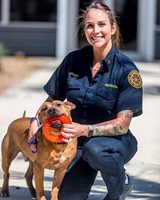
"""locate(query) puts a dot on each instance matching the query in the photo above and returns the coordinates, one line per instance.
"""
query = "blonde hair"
(116, 38)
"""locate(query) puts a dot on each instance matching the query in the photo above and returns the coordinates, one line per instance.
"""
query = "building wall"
(29, 26)
(157, 32)
(31, 40)
(157, 45)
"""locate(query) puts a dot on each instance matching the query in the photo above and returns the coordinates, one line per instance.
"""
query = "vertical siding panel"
(33, 41)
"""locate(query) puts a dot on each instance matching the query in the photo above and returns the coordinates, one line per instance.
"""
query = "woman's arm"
(114, 127)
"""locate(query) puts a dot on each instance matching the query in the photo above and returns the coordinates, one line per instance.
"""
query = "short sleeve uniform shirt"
(117, 86)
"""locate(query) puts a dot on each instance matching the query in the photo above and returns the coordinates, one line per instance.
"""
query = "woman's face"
(98, 29)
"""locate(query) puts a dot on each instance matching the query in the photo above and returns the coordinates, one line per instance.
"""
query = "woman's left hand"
(74, 130)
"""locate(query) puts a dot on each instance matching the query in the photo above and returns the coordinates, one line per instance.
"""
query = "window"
(33, 10)
(82, 6)
(158, 13)
(0, 9)
(127, 17)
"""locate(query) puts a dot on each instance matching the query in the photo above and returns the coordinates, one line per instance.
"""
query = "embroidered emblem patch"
(135, 79)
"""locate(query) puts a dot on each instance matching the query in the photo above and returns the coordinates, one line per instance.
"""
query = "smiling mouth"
(96, 38)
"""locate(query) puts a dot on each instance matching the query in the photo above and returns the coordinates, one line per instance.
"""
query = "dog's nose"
(52, 111)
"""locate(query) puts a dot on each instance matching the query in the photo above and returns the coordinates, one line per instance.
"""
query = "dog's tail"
(24, 114)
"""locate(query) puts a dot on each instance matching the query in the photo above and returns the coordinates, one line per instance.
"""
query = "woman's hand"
(32, 138)
(33, 129)
(74, 130)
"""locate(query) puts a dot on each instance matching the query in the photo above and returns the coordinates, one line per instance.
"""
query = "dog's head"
(55, 108)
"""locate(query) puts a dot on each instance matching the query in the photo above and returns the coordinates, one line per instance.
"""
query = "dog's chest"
(56, 161)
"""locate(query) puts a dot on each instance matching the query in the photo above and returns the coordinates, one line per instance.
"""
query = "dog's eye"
(58, 104)
(44, 108)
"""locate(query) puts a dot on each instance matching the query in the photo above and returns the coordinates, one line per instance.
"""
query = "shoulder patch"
(135, 79)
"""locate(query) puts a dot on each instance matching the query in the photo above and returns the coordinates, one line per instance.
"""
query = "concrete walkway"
(144, 167)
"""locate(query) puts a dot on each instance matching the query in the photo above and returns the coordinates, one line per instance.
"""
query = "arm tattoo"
(115, 127)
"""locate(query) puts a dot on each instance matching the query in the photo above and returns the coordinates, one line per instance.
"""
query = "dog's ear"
(69, 105)
(40, 114)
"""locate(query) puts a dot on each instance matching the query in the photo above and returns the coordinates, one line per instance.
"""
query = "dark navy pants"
(105, 154)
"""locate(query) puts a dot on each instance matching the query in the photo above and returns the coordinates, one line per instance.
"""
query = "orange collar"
(49, 134)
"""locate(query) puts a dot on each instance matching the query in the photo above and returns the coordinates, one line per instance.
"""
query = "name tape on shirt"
(135, 79)
(73, 74)
(111, 85)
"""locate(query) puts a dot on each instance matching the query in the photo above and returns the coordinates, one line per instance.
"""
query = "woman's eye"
(89, 26)
(102, 24)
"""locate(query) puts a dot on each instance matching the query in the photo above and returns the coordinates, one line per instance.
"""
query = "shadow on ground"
(146, 189)
(142, 189)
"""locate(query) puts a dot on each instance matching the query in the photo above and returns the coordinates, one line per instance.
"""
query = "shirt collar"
(110, 58)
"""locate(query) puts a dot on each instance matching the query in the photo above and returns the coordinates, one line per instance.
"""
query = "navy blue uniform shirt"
(116, 87)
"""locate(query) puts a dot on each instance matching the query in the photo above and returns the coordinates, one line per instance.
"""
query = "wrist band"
(34, 118)
(90, 131)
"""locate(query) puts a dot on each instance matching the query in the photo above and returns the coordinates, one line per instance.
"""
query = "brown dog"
(50, 155)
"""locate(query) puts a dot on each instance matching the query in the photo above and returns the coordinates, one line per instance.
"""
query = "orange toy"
(47, 126)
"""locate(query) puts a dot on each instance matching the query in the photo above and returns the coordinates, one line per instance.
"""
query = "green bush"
(3, 52)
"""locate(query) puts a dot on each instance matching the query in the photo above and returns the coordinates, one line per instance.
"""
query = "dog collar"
(49, 133)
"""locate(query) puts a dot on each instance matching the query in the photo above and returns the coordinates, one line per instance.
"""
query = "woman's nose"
(96, 29)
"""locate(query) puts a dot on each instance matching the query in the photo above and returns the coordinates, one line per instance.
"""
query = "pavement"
(144, 168)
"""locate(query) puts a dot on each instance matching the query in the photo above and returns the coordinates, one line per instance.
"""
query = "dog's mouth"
(56, 125)
(52, 127)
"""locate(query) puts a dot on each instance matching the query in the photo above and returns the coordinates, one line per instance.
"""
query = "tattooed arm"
(114, 127)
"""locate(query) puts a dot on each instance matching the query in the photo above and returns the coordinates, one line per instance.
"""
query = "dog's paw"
(4, 193)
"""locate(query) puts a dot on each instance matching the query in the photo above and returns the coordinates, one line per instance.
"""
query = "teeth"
(96, 38)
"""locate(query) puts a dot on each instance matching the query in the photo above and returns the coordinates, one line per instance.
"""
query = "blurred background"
(49, 28)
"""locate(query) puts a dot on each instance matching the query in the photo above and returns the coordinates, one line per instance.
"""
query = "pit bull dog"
(53, 156)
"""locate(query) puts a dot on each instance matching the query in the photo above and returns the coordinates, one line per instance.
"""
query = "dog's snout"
(52, 111)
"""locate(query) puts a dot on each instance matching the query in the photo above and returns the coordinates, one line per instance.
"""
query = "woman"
(106, 88)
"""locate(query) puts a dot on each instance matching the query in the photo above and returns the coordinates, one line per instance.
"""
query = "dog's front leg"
(39, 179)
(57, 180)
